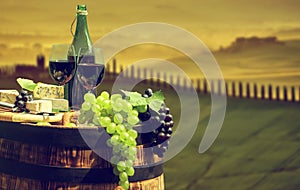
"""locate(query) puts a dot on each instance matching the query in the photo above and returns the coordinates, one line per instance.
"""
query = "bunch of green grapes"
(117, 116)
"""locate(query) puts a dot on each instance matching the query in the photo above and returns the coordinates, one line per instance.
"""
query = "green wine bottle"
(83, 46)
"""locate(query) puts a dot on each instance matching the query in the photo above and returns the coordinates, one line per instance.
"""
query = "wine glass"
(62, 63)
(90, 68)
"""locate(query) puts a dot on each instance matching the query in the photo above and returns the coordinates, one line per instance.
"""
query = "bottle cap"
(81, 9)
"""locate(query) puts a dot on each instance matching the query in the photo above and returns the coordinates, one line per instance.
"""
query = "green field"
(258, 148)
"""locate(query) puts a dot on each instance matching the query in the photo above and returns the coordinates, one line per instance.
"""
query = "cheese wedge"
(8, 96)
(38, 106)
(48, 91)
(59, 104)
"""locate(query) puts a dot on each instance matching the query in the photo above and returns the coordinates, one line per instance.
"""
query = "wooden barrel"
(54, 157)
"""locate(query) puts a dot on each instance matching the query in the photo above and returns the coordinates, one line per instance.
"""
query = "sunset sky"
(215, 22)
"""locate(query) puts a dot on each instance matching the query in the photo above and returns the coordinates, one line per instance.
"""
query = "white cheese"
(59, 104)
(8, 96)
(38, 106)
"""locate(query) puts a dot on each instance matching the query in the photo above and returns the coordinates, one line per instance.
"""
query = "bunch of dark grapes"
(21, 99)
(163, 123)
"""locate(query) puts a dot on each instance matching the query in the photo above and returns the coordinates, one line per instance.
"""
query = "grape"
(133, 133)
(124, 185)
(131, 141)
(23, 92)
(170, 131)
(124, 136)
(106, 104)
(168, 118)
(86, 106)
(96, 108)
(105, 95)
(117, 106)
(149, 92)
(121, 166)
(89, 97)
(133, 112)
(132, 150)
(123, 176)
(114, 140)
(19, 97)
(120, 128)
(128, 163)
(132, 120)
(105, 121)
(145, 96)
(96, 120)
(111, 128)
(115, 170)
(118, 118)
(115, 97)
(126, 106)
(161, 136)
(162, 116)
(99, 100)
(108, 143)
(130, 171)
(167, 110)
(169, 124)
(144, 116)
(20, 104)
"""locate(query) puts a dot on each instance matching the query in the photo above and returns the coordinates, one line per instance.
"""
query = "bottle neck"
(81, 38)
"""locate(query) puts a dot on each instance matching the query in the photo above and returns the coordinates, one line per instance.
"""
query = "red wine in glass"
(62, 71)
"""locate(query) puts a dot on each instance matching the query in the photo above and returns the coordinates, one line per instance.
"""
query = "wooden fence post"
(198, 85)
(178, 81)
(285, 94)
(114, 66)
(205, 86)
(219, 87)
(270, 91)
(144, 76)
(158, 79)
(126, 73)
(262, 92)
(293, 99)
(184, 83)
(151, 77)
(165, 79)
(255, 91)
(248, 90)
(138, 73)
(240, 89)
(299, 94)
(277, 93)
(171, 80)
(212, 87)
(226, 89)
(132, 72)
(233, 89)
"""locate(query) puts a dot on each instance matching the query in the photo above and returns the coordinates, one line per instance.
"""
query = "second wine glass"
(90, 68)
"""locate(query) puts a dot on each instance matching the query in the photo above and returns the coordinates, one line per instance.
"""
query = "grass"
(258, 148)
